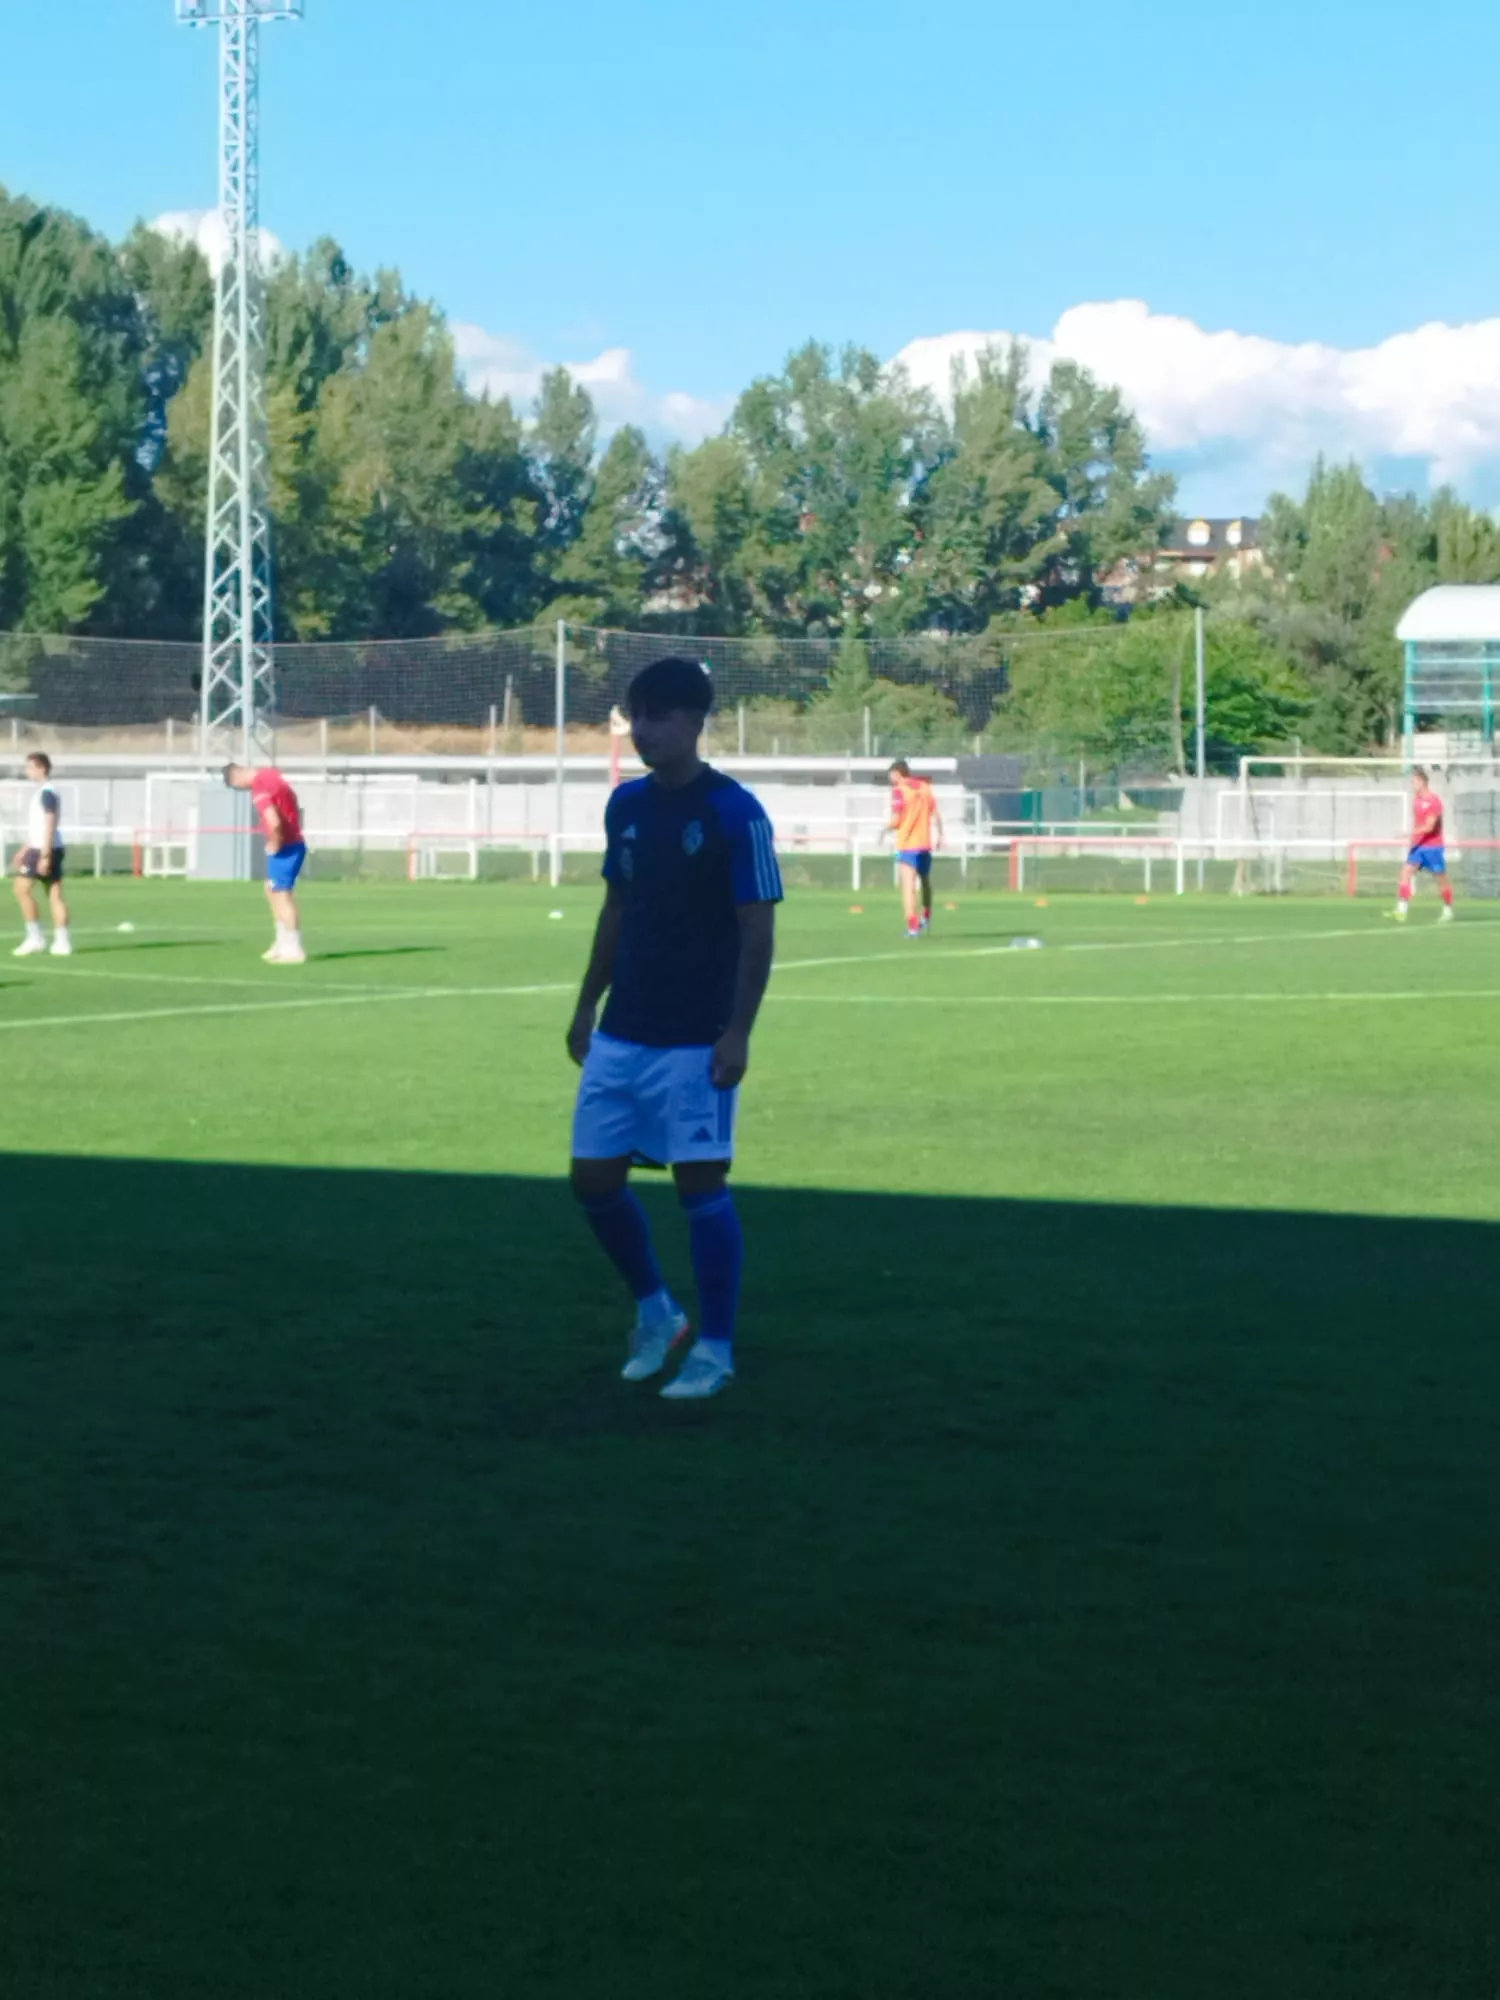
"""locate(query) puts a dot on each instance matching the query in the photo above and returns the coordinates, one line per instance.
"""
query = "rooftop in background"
(1200, 539)
(1451, 614)
(1195, 546)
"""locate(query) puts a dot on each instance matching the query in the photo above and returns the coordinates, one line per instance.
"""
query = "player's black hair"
(902, 766)
(40, 757)
(673, 682)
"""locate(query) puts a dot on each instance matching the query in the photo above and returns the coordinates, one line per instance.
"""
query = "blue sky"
(675, 195)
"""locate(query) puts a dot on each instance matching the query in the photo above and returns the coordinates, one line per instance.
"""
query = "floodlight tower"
(238, 692)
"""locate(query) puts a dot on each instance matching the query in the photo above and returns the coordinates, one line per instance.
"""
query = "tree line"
(839, 501)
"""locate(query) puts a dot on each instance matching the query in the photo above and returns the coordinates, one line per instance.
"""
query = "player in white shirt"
(41, 860)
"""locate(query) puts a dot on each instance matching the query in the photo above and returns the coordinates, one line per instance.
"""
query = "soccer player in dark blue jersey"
(683, 948)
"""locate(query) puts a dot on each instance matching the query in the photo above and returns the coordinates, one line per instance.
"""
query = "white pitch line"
(370, 999)
(1116, 999)
(942, 955)
(260, 985)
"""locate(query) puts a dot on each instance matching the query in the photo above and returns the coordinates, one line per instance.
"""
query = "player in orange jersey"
(918, 826)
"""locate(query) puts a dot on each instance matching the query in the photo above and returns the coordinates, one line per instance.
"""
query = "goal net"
(1097, 866)
(1473, 867)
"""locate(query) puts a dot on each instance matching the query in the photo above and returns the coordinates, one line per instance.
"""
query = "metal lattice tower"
(238, 677)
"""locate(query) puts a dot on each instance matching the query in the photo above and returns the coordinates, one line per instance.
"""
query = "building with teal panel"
(1452, 641)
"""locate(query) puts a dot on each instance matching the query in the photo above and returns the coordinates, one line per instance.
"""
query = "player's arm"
(49, 841)
(937, 822)
(275, 828)
(597, 977)
(731, 1056)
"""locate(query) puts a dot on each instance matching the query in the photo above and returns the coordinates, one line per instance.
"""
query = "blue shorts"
(919, 858)
(283, 867)
(1430, 859)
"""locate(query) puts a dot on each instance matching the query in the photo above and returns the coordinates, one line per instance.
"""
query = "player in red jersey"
(1426, 855)
(286, 850)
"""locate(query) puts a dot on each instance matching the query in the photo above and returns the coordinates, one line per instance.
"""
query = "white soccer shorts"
(657, 1104)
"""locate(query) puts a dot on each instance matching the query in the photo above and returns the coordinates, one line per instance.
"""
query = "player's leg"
(909, 897)
(1403, 890)
(273, 956)
(1439, 869)
(288, 946)
(701, 1147)
(925, 876)
(718, 1249)
(608, 1129)
(26, 896)
(62, 943)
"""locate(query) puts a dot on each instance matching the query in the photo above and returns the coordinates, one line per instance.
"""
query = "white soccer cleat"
(651, 1341)
(1447, 915)
(1399, 913)
(29, 947)
(273, 956)
(291, 954)
(700, 1376)
(62, 948)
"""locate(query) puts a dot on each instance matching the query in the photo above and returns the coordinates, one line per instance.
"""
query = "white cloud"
(495, 362)
(205, 227)
(1240, 414)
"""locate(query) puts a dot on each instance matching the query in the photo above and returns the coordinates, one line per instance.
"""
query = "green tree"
(563, 437)
(987, 513)
(1083, 684)
(833, 454)
(902, 717)
(1333, 604)
(709, 532)
(1110, 504)
(601, 576)
(72, 408)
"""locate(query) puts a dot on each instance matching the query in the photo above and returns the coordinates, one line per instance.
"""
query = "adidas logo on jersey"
(702, 1137)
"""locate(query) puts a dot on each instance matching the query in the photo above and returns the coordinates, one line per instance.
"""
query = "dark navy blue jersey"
(682, 863)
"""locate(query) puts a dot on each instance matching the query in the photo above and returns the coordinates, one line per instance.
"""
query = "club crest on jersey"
(692, 836)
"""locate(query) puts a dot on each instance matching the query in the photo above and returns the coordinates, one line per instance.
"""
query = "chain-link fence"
(510, 691)
(530, 691)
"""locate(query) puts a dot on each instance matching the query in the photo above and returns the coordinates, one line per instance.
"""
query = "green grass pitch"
(1087, 1592)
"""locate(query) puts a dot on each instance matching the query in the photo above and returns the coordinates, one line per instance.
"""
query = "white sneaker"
(62, 947)
(651, 1341)
(29, 947)
(699, 1376)
(1448, 914)
(273, 956)
(290, 954)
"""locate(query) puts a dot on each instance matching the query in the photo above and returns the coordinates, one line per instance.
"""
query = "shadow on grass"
(376, 951)
(133, 946)
(1066, 1601)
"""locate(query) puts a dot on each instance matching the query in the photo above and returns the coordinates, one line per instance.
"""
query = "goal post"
(1051, 861)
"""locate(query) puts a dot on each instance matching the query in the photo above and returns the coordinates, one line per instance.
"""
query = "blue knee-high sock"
(718, 1253)
(619, 1222)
